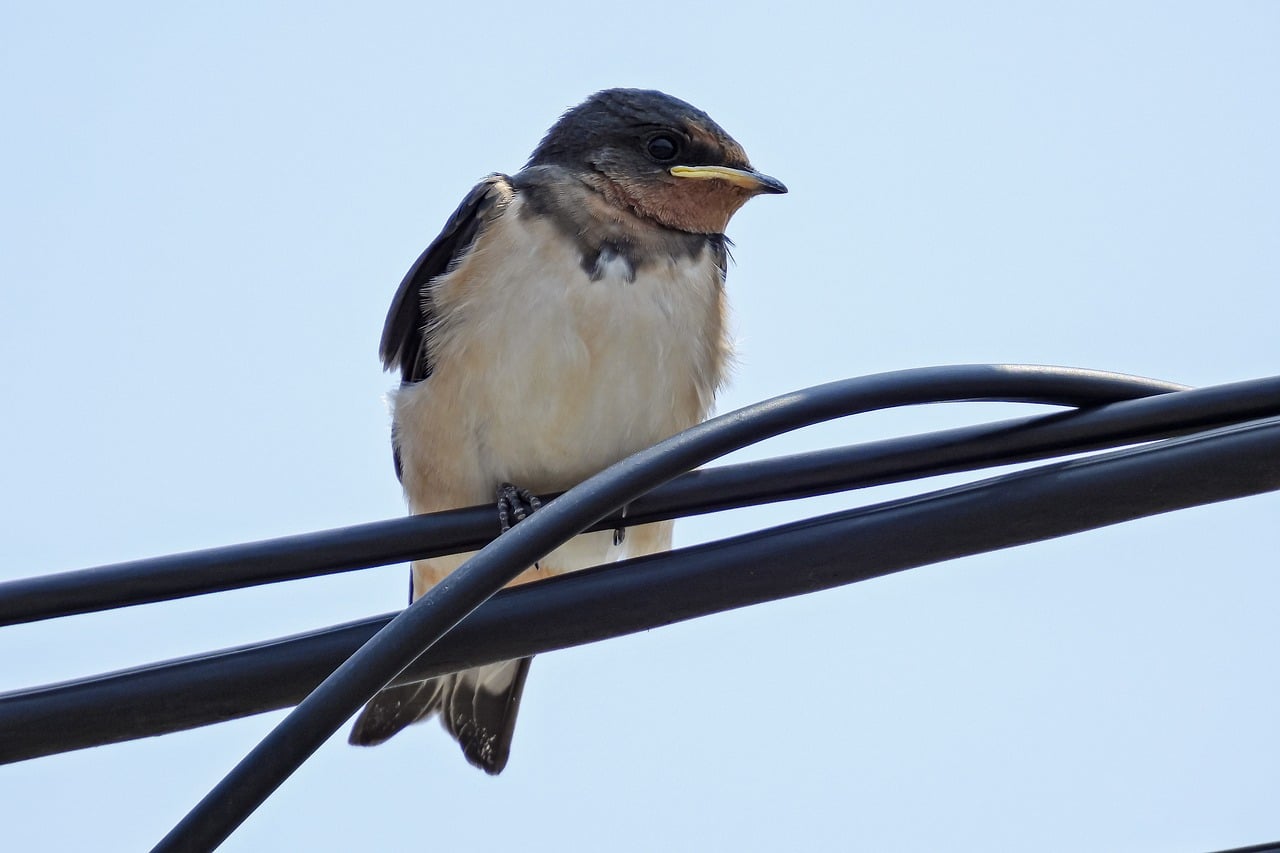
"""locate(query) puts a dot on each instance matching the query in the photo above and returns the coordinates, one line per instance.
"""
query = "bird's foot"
(516, 502)
(620, 533)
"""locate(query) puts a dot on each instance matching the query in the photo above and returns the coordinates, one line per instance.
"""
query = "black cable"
(636, 595)
(418, 627)
(1272, 847)
(725, 487)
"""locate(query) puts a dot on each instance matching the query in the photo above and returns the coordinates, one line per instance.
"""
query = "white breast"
(543, 376)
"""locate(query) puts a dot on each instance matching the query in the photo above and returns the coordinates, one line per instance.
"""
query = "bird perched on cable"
(566, 317)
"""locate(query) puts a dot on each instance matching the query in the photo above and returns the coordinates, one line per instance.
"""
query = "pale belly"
(543, 377)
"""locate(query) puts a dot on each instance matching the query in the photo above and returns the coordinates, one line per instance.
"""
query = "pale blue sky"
(206, 211)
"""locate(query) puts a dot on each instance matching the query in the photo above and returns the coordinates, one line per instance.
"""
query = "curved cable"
(420, 625)
(596, 604)
(415, 537)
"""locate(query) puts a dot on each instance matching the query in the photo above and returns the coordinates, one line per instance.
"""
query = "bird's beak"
(745, 178)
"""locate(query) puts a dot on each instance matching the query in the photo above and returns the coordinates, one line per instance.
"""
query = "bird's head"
(656, 155)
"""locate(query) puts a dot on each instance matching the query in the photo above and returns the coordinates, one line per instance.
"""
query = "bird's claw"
(620, 533)
(516, 502)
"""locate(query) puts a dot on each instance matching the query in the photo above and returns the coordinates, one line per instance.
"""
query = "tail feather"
(478, 708)
(393, 709)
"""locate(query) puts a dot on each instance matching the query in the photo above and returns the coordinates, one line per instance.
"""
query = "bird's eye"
(662, 148)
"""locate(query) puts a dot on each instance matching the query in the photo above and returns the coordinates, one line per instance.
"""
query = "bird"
(566, 316)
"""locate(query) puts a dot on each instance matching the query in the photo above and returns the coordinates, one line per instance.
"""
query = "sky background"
(207, 208)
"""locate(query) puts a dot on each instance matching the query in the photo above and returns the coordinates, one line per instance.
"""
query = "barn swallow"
(566, 317)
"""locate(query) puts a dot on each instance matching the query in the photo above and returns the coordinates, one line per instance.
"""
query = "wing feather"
(405, 335)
